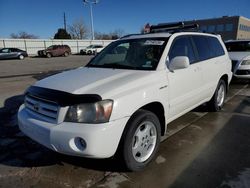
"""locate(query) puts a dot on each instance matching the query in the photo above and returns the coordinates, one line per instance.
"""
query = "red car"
(55, 50)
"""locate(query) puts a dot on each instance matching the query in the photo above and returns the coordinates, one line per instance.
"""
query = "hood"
(238, 56)
(101, 81)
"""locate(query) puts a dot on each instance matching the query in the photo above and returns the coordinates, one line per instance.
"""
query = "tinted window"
(14, 50)
(220, 28)
(240, 46)
(202, 47)
(211, 28)
(182, 47)
(215, 46)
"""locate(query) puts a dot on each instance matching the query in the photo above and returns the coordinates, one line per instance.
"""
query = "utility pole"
(91, 2)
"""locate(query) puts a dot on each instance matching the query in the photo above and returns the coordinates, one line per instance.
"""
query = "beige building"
(229, 27)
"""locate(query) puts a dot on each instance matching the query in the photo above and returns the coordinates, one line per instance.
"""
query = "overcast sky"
(43, 18)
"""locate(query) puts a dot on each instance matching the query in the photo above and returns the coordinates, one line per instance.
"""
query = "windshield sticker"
(154, 42)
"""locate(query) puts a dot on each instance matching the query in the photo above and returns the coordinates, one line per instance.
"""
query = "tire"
(218, 99)
(21, 57)
(140, 140)
(89, 52)
(48, 55)
(66, 54)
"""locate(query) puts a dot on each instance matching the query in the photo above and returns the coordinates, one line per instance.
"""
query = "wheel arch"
(225, 79)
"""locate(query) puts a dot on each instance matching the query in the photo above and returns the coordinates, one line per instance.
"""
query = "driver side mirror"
(179, 62)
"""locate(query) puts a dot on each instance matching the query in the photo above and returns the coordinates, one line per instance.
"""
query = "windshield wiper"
(118, 66)
(113, 65)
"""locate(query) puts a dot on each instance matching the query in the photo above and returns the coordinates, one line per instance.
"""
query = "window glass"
(138, 54)
(240, 46)
(13, 50)
(229, 27)
(211, 28)
(201, 44)
(182, 47)
(215, 46)
(203, 28)
(5, 50)
(220, 28)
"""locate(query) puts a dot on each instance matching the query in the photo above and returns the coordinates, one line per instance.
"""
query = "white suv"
(122, 101)
(91, 50)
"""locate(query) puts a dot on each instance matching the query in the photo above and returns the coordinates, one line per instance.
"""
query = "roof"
(150, 35)
(164, 35)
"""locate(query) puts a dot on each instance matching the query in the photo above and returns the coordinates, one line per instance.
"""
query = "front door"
(184, 84)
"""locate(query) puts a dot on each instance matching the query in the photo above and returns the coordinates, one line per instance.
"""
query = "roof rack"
(173, 27)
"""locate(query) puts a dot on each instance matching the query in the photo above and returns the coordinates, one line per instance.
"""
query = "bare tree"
(118, 33)
(78, 30)
(23, 35)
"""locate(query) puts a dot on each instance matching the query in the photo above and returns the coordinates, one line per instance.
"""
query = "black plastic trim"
(60, 97)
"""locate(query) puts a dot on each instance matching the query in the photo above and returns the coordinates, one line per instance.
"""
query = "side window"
(13, 50)
(201, 44)
(215, 46)
(182, 46)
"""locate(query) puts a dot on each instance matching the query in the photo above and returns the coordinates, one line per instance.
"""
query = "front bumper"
(243, 71)
(101, 140)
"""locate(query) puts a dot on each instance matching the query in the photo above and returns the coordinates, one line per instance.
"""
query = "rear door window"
(202, 46)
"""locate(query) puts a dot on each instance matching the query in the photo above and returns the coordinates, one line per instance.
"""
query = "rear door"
(211, 59)
(184, 84)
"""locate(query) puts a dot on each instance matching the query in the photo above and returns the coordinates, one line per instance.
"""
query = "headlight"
(246, 62)
(98, 112)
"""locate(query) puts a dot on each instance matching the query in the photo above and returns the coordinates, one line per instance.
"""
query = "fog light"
(82, 143)
(78, 144)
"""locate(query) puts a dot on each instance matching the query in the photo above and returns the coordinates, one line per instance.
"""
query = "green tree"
(62, 34)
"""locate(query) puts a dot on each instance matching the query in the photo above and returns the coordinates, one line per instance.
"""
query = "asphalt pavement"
(202, 149)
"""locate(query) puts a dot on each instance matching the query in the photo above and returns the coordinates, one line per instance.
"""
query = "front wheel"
(48, 55)
(218, 99)
(140, 140)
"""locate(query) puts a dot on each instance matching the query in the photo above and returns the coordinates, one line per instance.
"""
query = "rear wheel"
(140, 140)
(66, 54)
(218, 99)
(21, 57)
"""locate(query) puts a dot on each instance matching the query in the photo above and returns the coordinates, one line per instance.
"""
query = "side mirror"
(179, 62)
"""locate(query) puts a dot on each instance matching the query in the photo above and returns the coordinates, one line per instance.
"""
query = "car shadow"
(19, 150)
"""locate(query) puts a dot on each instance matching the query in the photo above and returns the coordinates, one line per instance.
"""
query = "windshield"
(91, 46)
(51, 47)
(240, 46)
(138, 54)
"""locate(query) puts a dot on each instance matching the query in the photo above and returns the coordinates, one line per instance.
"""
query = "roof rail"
(125, 36)
(173, 27)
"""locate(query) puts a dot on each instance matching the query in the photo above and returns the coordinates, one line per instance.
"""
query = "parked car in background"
(55, 50)
(12, 53)
(91, 50)
(239, 52)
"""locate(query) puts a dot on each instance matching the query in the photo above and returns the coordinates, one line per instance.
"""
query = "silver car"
(239, 52)
(12, 53)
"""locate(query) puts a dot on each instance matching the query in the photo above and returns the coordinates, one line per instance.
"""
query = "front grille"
(234, 63)
(242, 72)
(47, 110)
